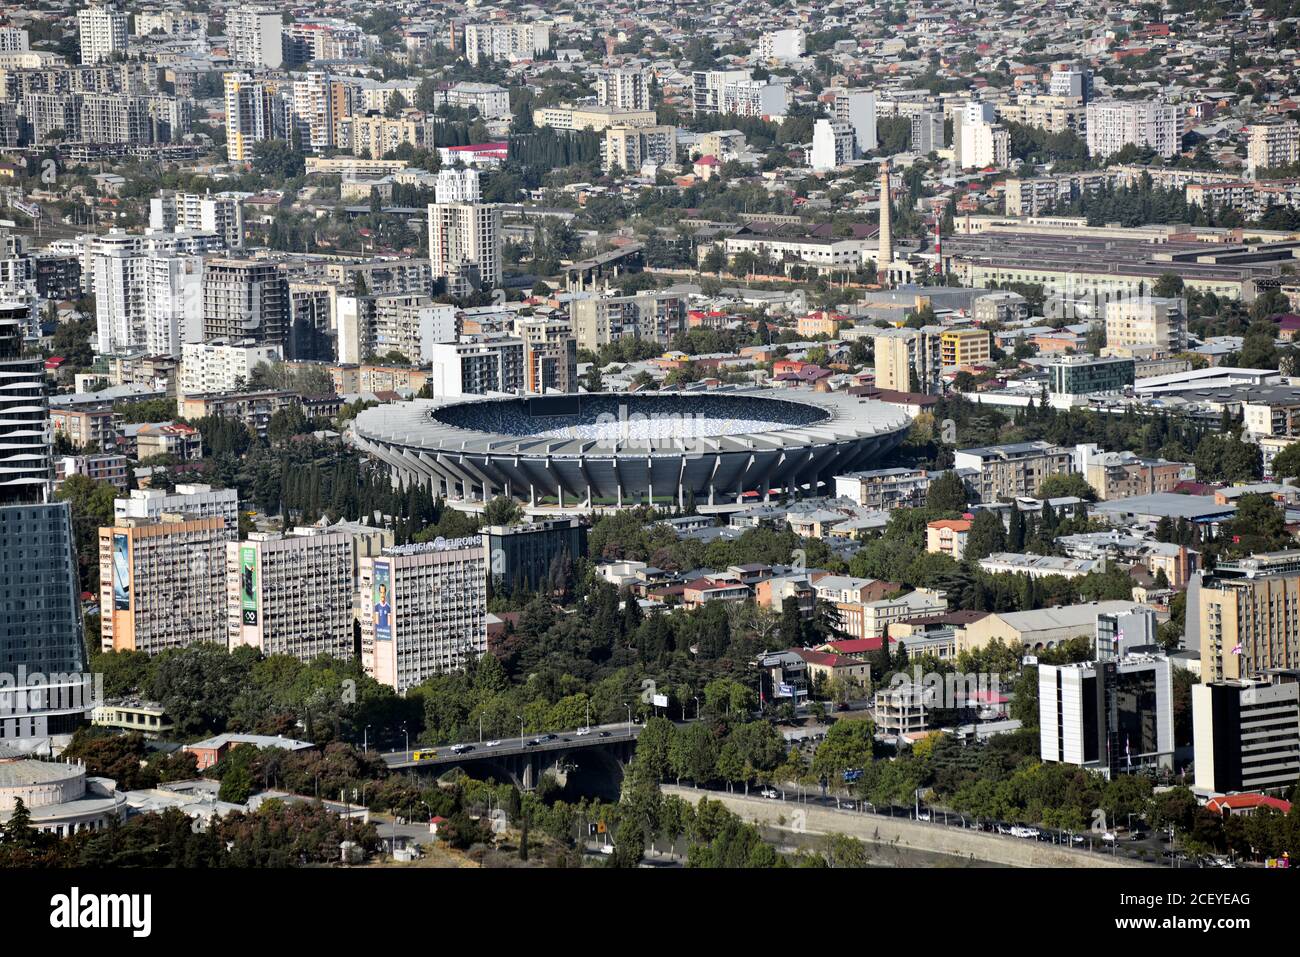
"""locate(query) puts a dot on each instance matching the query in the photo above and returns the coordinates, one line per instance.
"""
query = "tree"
(502, 510)
(848, 745)
(1072, 485)
(947, 493)
(1168, 285)
(986, 536)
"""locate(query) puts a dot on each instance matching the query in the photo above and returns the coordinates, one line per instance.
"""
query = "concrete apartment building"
(909, 360)
(1006, 472)
(1114, 124)
(1146, 327)
(222, 366)
(477, 368)
(506, 41)
(920, 603)
(1125, 474)
(206, 213)
(624, 88)
(964, 347)
(652, 316)
(245, 299)
(255, 37)
(947, 536)
(592, 117)
(550, 355)
(465, 246)
(202, 501)
(1246, 734)
(1271, 145)
(292, 594)
(630, 147)
(1249, 616)
(884, 488)
(163, 583)
(102, 33)
(856, 106)
(423, 610)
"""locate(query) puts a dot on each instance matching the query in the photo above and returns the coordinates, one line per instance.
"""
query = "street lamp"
(365, 741)
(697, 707)
(629, 716)
(407, 735)
(521, 727)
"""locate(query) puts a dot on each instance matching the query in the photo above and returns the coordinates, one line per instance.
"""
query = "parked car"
(769, 794)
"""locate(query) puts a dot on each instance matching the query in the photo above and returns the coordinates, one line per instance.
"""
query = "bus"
(425, 755)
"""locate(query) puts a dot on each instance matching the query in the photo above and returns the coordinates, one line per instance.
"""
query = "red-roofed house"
(1246, 804)
(947, 536)
(825, 665)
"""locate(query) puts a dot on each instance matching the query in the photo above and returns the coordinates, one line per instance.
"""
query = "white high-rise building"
(832, 145)
(103, 33)
(1114, 124)
(782, 45)
(465, 246)
(457, 186)
(735, 91)
(255, 111)
(857, 107)
(210, 214)
(255, 36)
(173, 301)
(222, 366)
(1270, 145)
(117, 271)
(13, 40)
(624, 89)
(506, 41)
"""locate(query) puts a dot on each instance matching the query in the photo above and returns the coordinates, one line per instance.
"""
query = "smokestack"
(886, 255)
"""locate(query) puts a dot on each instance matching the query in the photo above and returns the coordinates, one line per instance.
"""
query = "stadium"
(627, 449)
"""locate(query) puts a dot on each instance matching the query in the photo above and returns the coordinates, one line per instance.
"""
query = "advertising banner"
(121, 573)
(383, 603)
(248, 584)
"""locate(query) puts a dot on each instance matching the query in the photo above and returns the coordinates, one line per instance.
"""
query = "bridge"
(599, 755)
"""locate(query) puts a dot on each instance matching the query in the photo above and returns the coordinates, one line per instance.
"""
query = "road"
(600, 734)
(1081, 842)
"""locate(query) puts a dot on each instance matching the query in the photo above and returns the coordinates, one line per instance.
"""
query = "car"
(769, 794)
(923, 815)
(604, 734)
(581, 732)
(1019, 831)
(546, 737)
(461, 748)
(1078, 839)
(1110, 837)
(491, 744)
(1137, 836)
(842, 706)
(848, 806)
(532, 743)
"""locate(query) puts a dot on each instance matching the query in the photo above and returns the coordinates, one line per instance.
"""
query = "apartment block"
(1114, 124)
(465, 246)
(1271, 145)
(423, 611)
(291, 594)
(1006, 472)
(654, 317)
(1249, 616)
(1146, 327)
(163, 582)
